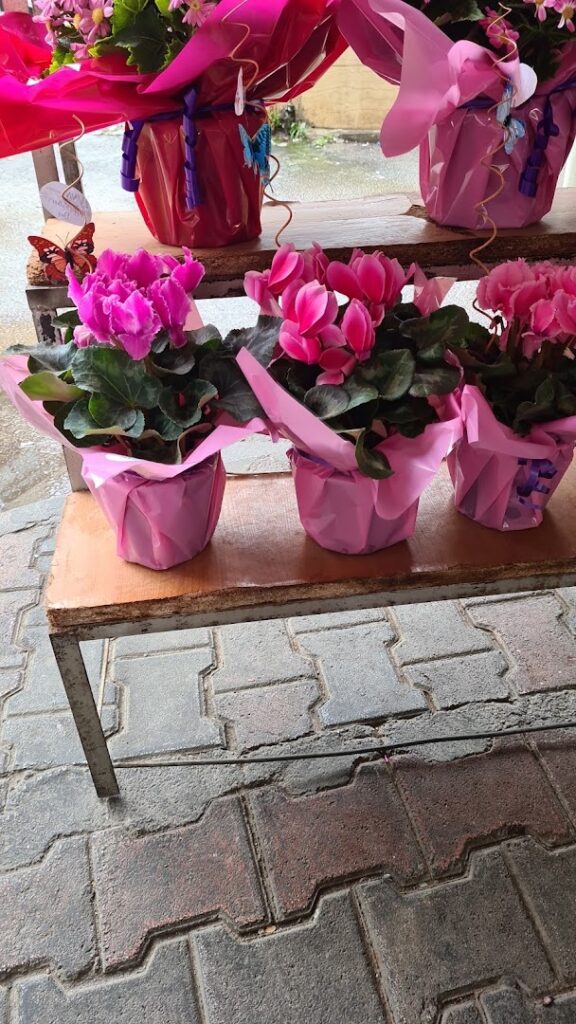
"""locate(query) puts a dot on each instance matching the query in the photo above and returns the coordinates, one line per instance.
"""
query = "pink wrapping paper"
(415, 461)
(140, 498)
(338, 510)
(490, 482)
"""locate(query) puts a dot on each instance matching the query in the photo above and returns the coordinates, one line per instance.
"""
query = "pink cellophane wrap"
(490, 482)
(384, 507)
(162, 514)
(283, 46)
(340, 510)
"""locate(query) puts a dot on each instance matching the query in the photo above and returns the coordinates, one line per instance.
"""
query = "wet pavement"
(31, 466)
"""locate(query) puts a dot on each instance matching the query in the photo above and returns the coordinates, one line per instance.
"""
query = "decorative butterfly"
(257, 151)
(76, 254)
(514, 128)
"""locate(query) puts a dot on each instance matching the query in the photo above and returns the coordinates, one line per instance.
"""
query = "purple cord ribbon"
(540, 469)
(545, 130)
(189, 115)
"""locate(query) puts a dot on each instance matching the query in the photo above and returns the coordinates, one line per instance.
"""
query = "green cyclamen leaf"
(390, 372)
(439, 380)
(111, 372)
(185, 407)
(326, 401)
(49, 387)
(371, 462)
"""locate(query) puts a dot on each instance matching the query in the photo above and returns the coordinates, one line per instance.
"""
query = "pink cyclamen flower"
(496, 289)
(172, 306)
(337, 364)
(295, 345)
(540, 7)
(565, 307)
(499, 31)
(134, 324)
(358, 330)
(566, 12)
(314, 307)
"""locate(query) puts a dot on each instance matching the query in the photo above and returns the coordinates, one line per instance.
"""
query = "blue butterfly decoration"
(257, 151)
(514, 128)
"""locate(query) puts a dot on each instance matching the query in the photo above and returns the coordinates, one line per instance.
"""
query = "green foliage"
(145, 39)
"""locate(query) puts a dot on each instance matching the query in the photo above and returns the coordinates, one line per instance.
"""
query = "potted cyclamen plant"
(497, 126)
(363, 389)
(147, 403)
(519, 399)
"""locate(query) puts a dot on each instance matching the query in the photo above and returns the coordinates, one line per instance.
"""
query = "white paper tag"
(73, 207)
(240, 100)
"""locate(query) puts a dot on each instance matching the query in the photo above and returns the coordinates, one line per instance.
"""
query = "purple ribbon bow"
(189, 115)
(540, 469)
(545, 130)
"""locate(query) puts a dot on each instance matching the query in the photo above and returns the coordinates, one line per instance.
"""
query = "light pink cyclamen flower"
(496, 289)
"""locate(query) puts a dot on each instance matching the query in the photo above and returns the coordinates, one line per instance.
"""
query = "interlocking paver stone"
(46, 741)
(3, 1006)
(505, 1006)
(43, 689)
(451, 937)
(359, 675)
(467, 1013)
(16, 550)
(46, 913)
(435, 631)
(548, 881)
(357, 829)
(10, 682)
(156, 798)
(558, 751)
(164, 880)
(159, 643)
(480, 799)
(314, 973)
(12, 604)
(536, 636)
(562, 1011)
(257, 654)
(160, 993)
(277, 713)
(334, 620)
(462, 680)
(164, 707)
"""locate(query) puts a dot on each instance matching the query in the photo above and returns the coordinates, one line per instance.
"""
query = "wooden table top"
(393, 223)
(261, 564)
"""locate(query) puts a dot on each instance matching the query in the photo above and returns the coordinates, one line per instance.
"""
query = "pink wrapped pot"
(456, 161)
(160, 523)
(502, 480)
(338, 509)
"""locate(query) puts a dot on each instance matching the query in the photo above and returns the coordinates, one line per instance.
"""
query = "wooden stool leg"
(73, 671)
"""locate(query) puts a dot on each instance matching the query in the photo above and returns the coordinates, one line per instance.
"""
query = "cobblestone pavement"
(437, 888)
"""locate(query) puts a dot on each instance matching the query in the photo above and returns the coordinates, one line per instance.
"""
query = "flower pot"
(502, 480)
(459, 157)
(338, 509)
(230, 192)
(160, 523)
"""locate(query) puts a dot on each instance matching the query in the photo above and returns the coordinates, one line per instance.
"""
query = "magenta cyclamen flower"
(129, 299)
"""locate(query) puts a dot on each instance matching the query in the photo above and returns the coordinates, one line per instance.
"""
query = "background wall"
(348, 96)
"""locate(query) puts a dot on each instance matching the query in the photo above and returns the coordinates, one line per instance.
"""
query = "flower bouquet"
(192, 79)
(363, 390)
(489, 93)
(147, 403)
(519, 399)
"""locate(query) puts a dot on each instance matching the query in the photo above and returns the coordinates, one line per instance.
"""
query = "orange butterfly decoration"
(77, 254)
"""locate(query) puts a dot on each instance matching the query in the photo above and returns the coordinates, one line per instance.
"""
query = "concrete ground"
(437, 887)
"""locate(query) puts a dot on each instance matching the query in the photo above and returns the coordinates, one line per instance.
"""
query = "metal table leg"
(73, 671)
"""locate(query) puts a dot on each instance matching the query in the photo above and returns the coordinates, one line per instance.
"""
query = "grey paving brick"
(457, 934)
(310, 775)
(561, 1011)
(548, 881)
(270, 715)
(16, 557)
(158, 643)
(316, 972)
(163, 709)
(155, 798)
(43, 689)
(46, 512)
(533, 630)
(40, 808)
(160, 993)
(45, 741)
(257, 654)
(505, 1006)
(334, 620)
(436, 631)
(359, 675)
(462, 680)
(12, 605)
(3, 1006)
(46, 913)
(466, 1013)
(10, 681)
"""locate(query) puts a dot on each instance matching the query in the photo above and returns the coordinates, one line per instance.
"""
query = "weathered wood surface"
(389, 222)
(261, 557)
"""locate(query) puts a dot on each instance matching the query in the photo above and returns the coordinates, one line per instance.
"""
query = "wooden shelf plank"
(261, 560)
(388, 222)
